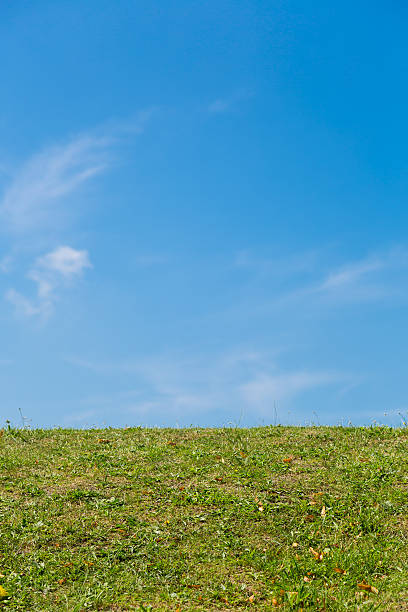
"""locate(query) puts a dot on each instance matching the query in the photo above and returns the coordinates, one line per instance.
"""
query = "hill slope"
(204, 519)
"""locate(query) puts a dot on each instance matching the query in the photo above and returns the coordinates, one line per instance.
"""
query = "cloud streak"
(225, 104)
(39, 198)
(33, 199)
(54, 270)
(352, 274)
(374, 278)
(264, 389)
(186, 387)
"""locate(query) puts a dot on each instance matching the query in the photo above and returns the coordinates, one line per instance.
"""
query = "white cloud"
(36, 200)
(50, 272)
(351, 273)
(221, 105)
(375, 278)
(26, 307)
(264, 389)
(182, 387)
(65, 261)
(33, 200)
(6, 264)
(378, 277)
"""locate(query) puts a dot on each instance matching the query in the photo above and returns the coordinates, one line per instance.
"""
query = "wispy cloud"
(25, 307)
(224, 104)
(375, 277)
(6, 264)
(50, 272)
(351, 274)
(64, 261)
(34, 198)
(264, 389)
(221, 105)
(183, 387)
(37, 198)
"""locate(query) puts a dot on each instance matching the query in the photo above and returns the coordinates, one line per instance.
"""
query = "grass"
(204, 519)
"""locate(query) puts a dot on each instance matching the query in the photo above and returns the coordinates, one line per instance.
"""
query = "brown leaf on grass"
(323, 512)
(275, 602)
(251, 598)
(172, 443)
(338, 570)
(62, 580)
(218, 479)
(317, 555)
(104, 441)
(309, 517)
(363, 586)
(243, 454)
(288, 460)
(194, 586)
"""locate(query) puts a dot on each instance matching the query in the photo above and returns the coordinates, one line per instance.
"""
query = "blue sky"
(203, 212)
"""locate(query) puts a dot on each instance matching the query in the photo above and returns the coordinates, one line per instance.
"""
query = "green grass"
(204, 519)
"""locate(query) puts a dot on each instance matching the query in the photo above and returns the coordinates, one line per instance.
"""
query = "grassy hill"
(204, 519)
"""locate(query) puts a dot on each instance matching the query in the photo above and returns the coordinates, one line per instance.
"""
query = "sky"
(203, 212)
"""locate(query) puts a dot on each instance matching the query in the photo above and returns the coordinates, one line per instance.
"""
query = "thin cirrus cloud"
(242, 379)
(221, 105)
(6, 264)
(225, 104)
(266, 388)
(36, 199)
(52, 271)
(33, 200)
(377, 277)
(351, 274)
